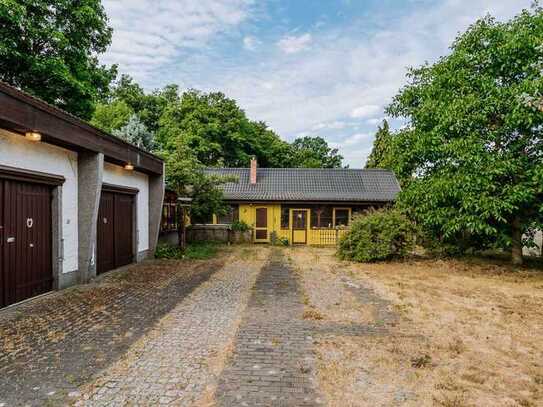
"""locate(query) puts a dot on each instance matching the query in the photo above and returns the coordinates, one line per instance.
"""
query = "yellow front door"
(299, 226)
(261, 225)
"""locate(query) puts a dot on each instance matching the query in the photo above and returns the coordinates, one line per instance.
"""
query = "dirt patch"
(326, 295)
(469, 332)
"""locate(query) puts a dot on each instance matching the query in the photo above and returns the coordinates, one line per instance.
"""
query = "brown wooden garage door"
(115, 246)
(26, 267)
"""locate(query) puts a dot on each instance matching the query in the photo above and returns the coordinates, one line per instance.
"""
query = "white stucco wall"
(16, 151)
(116, 175)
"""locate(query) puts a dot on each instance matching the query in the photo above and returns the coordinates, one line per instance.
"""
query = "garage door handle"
(11, 240)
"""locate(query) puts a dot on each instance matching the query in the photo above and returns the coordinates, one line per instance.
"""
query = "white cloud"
(346, 71)
(365, 112)
(334, 125)
(357, 138)
(250, 43)
(325, 90)
(356, 158)
(375, 122)
(151, 33)
(292, 44)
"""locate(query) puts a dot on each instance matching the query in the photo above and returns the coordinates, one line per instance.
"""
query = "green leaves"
(377, 236)
(49, 48)
(473, 149)
(381, 153)
(112, 116)
(313, 152)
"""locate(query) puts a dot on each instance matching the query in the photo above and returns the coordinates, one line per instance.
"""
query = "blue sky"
(320, 68)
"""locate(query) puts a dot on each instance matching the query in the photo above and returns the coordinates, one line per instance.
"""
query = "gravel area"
(179, 360)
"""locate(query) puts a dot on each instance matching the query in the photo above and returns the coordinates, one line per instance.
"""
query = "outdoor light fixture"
(128, 167)
(33, 136)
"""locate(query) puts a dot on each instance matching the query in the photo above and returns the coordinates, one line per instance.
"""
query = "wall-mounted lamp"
(128, 167)
(33, 136)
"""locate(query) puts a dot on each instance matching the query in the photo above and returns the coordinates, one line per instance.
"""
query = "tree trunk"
(516, 235)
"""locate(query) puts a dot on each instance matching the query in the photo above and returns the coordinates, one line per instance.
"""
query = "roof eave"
(21, 112)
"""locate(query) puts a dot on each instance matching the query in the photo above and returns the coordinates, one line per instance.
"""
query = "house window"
(321, 217)
(285, 217)
(230, 217)
(342, 216)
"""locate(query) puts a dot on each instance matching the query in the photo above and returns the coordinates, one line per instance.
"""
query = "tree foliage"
(379, 235)
(148, 106)
(213, 127)
(314, 152)
(49, 49)
(185, 175)
(381, 155)
(111, 116)
(474, 142)
(135, 132)
(217, 131)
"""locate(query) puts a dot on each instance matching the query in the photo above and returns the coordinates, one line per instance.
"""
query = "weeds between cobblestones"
(178, 361)
(52, 345)
(162, 333)
(272, 363)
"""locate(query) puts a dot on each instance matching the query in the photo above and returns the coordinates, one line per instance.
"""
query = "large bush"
(378, 235)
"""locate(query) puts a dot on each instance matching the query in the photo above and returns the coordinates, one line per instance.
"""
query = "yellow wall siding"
(247, 214)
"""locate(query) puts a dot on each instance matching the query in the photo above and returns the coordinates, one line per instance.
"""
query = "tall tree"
(475, 141)
(50, 48)
(148, 106)
(136, 133)
(217, 131)
(184, 174)
(314, 152)
(380, 156)
(111, 116)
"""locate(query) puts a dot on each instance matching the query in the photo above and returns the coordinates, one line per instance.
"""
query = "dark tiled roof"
(308, 184)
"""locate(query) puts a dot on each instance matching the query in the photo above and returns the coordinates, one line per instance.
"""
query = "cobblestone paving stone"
(178, 362)
(272, 363)
(52, 345)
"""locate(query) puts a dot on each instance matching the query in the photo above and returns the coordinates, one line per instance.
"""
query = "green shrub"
(240, 226)
(378, 235)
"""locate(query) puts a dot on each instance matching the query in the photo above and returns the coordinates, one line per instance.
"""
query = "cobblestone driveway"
(52, 345)
(178, 361)
(228, 332)
(272, 363)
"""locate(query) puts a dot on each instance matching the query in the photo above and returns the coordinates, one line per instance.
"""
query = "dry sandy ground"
(468, 333)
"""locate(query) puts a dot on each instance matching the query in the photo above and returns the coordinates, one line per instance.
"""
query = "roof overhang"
(305, 202)
(20, 113)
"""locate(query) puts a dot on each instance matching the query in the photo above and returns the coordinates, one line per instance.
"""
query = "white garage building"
(74, 201)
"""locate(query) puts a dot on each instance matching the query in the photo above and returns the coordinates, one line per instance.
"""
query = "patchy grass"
(469, 331)
(194, 251)
(201, 250)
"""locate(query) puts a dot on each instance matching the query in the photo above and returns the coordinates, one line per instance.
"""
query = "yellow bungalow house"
(301, 205)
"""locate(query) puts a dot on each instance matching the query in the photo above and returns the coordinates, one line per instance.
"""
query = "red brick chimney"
(252, 175)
